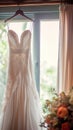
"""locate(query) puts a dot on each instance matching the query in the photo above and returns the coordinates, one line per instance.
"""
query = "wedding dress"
(22, 106)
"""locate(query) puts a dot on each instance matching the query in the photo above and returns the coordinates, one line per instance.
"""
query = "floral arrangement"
(59, 112)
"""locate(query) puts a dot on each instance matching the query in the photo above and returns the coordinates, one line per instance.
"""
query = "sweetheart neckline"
(19, 41)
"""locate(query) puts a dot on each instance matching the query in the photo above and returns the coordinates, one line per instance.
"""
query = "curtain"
(65, 62)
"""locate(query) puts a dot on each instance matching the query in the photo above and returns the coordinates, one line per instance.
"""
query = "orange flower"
(62, 112)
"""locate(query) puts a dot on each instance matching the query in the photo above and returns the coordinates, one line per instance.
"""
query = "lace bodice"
(16, 45)
(19, 52)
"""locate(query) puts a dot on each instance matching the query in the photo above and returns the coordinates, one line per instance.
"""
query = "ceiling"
(31, 2)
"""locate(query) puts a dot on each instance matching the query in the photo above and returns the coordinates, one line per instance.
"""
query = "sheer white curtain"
(65, 62)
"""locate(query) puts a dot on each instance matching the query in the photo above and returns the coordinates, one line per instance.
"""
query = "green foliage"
(48, 85)
(3, 60)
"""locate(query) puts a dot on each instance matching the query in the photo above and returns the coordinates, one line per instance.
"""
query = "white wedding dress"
(21, 103)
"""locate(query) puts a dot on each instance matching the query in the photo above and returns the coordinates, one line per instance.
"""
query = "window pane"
(49, 35)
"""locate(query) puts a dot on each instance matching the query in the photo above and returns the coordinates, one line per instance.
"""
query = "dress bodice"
(19, 52)
(17, 46)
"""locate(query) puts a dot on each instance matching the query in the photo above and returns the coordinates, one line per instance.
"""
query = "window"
(49, 34)
(44, 28)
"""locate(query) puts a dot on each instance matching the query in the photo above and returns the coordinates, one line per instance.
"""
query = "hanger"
(18, 12)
